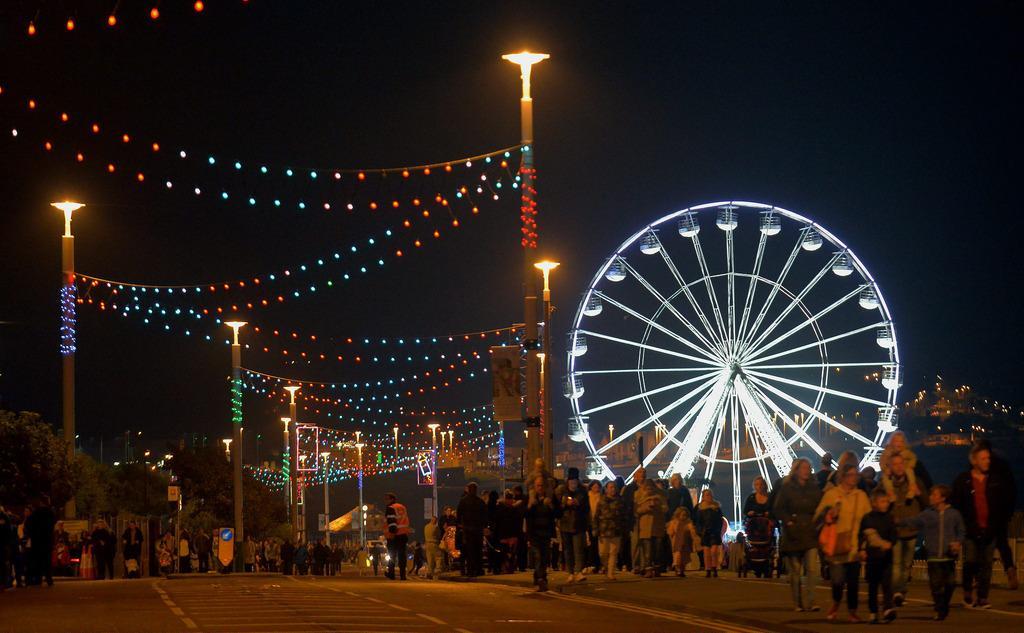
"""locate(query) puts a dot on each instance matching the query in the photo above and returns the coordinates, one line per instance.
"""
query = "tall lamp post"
(293, 496)
(285, 465)
(528, 211)
(362, 508)
(396, 445)
(67, 335)
(236, 423)
(327, 499)
(433, 442)
(547, 427)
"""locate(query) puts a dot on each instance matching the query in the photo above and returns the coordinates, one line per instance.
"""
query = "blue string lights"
(67, 319)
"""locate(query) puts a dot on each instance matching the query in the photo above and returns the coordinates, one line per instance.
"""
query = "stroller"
(760, 545)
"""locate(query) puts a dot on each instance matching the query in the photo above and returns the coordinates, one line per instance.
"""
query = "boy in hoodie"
(944, 533)
(878, 535)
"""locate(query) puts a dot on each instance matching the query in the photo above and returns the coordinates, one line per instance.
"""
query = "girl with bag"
(840, 512)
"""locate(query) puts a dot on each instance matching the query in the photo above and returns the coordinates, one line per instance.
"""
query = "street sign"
(226, 546)
(173, 493)
(506, 388)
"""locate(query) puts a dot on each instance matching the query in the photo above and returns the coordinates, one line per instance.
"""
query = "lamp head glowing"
(526, 60)
(235, 326)
(546, 266)
(360, 445)
(227, 443)
(68, 208)
(291, 389)
(286, 422)
(325, 454)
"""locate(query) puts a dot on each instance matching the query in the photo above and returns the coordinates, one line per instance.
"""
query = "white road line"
(668, 615)
(354, 595)
(399, 607)
(431, 618)
(462, 631)
(375, 600)
(189, 623)
(176, 611)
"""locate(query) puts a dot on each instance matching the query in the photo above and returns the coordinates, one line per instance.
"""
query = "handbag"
(833, 542)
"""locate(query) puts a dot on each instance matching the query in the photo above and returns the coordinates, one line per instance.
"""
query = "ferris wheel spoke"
(678, 426)
(712, 297)
(808, 366)
(701, 429)
(799, 430)
(667, 304)
(758, 445)
(814, 344)
(730, 278)
(813, 387)
(809, 410)
(637, 427)
(651, 392)
(716, 441)
(685, 288)
(737, 502)
(662, 328)
(775, 445)
(776, 285)
(813, 319)
(653, 348)
(651, 370)
(752, 287)
(794, 303)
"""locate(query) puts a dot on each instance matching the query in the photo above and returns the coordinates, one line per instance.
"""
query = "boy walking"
(944, 532)
(878, 535)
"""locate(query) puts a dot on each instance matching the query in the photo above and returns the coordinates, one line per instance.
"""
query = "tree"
(92, 494)
(207, 481)
(138, 488)
(33, 461)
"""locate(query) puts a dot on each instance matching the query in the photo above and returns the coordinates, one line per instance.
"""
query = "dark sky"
(896, 125)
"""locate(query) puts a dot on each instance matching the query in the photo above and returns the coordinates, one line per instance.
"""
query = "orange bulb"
(394, 204)
(70, 24)
(199, 6)
(417, 243)
(361, 176)
(407, 224)
(437, 233)
(125, 138)
(48, 145)
(79, 157)
(154, 13)
(415, 202)
(95, 128)
(426, 171)
(405, 173)
(31, 104)
(426, 213)
(111, 20)
(140, 176)
(31, 28)
(455, 222)
(156, 147)
(447, 167)
(110, 167)
(373, 206)
(64, 117)
(398, 253)
(476, 210)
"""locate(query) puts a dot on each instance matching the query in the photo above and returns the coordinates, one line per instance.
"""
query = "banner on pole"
(425, 468)
(506, 384)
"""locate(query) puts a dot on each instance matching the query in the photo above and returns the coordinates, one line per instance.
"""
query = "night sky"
(896, 125)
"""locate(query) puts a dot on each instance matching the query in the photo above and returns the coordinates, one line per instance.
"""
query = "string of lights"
(45, 21)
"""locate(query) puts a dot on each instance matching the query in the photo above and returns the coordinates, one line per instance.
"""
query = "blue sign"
(226, 534)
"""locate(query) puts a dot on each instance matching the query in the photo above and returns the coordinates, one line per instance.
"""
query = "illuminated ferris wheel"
(730, 336)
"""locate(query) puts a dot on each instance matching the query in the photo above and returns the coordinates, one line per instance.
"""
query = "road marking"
(375, 600)
(176, 611)
(354, 595)
(668, 615)
(431, 618)
(399, 607)
(462, 631)
(189, 623)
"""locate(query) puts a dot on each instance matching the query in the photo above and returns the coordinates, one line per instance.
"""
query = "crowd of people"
(841, 523)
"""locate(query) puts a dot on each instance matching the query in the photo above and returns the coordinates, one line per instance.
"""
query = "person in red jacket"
(397, 534)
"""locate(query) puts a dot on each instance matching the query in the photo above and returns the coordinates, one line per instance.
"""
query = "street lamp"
(286, 465)
(396, 445)
(227, 448)
(293, 482)
(68, 305)
(528, 211)
(362, 508)
(433, 426)
(611, 431)
(547, 427)
(327, 500)
(451, 439)
(236, 423)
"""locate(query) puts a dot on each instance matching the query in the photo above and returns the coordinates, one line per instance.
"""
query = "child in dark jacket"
(878, 534)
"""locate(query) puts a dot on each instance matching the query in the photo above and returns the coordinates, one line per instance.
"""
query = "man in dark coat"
(795, 503)
(288, 557)
(131, 548)
(39, 529)
(1001, 467)
(982, 497)
(471, 516)
(542, 515)
(204, 546)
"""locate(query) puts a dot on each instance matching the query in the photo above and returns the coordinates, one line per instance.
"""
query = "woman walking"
(841, 510)
(609, 526)
(710, 518)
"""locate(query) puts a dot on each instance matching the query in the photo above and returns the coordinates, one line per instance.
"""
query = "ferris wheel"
(730, 336)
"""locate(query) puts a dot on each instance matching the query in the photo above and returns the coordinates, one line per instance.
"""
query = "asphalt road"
(266, 604)
(239, 604)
